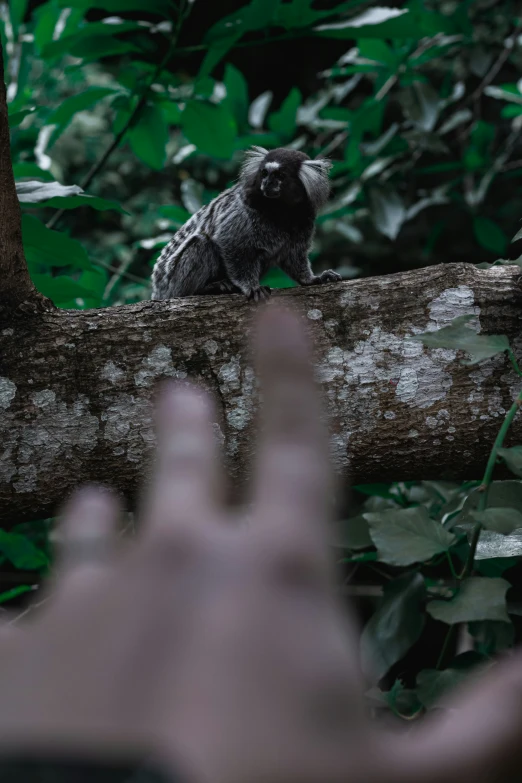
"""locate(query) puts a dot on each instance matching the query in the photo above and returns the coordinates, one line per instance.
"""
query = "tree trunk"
(76, 387)
(17, 289)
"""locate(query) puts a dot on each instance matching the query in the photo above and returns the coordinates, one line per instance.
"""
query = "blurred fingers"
(186, 484)
(293, 480)
(86, 534)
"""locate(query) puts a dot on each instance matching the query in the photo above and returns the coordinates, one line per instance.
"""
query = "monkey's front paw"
(328, 276)
(259, 294)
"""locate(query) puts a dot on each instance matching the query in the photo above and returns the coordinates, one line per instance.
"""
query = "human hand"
(221, 647)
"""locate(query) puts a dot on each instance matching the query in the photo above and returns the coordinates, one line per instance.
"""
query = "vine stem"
(135, 113)
(486, 482)
(483, 500)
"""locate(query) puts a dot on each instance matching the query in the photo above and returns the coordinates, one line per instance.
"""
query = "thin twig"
(127, 275)
(118, 274)
(493, 71)
(134, 115)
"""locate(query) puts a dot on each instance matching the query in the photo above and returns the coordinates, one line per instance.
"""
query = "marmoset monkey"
(265, 220)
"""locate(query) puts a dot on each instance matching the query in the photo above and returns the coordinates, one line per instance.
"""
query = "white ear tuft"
(314, 176)
(254, 158)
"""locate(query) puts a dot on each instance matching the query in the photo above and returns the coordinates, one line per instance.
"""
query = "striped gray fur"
(265, 220)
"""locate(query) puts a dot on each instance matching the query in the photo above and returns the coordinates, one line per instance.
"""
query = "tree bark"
(76, 388)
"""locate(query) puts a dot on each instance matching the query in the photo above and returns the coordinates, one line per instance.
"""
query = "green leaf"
(374, 23)
(501, 520)
(492, 637)
(254, 16)
(478, 598)
(237, 95)
(261, 13)
(86, 39)
(95, 281)
(395, 627)
(513, 459)
(149, 136)
(43, 246)
(14, 592)
(21, 552)
(53, 194)
(211, 128)
(490, 235)
(15, 118)
(493, 545)
(276, 278)
(502, 494)
(216, 53)
(95, 48)
(63, 115)
(179, 215)
(161, 7)
(31, 170)
(32, 191)
(388, 211)
(433, 684)
(355, 533)
(376, 490)
(375, 49)
(60, 289)
(407, 536)
(284, 121)
(458, 335)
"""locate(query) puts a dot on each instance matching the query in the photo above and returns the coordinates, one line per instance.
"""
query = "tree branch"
(76, 393)
(16, 289)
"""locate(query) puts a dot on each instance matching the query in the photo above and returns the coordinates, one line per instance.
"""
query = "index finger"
(293, 482)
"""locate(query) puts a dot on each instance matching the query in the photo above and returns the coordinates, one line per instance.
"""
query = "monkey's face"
(277, 182)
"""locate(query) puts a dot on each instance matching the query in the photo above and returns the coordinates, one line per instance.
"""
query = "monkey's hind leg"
(196, 266)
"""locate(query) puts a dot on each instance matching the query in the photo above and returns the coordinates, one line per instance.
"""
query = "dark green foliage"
(395, 626)
(419, 108)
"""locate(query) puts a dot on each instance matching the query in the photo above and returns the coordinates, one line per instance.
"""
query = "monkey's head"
(286, 175)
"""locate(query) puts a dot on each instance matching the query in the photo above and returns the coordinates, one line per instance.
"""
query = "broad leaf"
(60, 289)
(86, 38)
(407, 535)
(355, 533)
(501, 520)
(16, 117)
(179, 215)
(494, 545)
(276, 278)
(43, 246)
(21, 552)
(395, 626)
(211, 128)
(53, 194)
(388, 212)
(149, 136)
(502, 494)
(63, 115)
(284, 121)
(162, 7)
(376, 22)
(490, 235)
(492, 637)
(478, 598)
(433, 684)
(237, 95)
(32, 191)
(26, 170)
(513, 459)
(14, 592)
(458, 335)
(254, 16)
